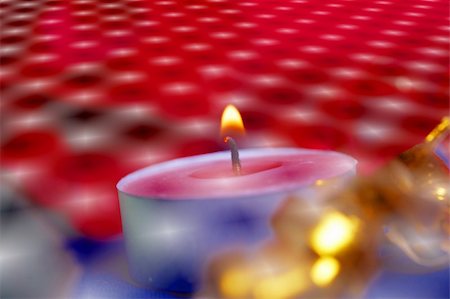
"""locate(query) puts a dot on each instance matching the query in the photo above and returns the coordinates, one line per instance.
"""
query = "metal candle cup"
(176, 215)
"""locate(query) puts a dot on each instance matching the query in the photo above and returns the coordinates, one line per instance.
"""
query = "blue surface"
(95, 285)
(86, 251)
(399, 285)
(105, 275)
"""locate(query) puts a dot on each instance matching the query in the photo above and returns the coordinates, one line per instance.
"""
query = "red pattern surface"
(92, 90)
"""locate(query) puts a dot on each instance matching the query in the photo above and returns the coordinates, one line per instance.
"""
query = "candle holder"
(179, 214)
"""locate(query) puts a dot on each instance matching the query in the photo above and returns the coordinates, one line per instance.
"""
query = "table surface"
(92, 90)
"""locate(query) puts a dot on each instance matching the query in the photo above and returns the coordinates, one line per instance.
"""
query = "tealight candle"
(176, 215)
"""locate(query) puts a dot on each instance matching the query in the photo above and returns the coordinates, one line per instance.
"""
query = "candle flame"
(231, 124)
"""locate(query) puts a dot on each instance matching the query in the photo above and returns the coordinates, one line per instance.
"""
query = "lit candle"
(176, 215)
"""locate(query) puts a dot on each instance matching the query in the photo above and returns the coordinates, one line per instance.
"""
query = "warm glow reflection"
(231, 123)
(440, 193)
(283, 285)
(324, 270)
(334, 232)
(320, 183)
(441, 127)
(265, 279)
(236, 283)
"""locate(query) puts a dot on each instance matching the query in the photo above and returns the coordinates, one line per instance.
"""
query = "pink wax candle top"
(211, 176)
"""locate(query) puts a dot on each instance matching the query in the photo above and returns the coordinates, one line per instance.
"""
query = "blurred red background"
(92, 90)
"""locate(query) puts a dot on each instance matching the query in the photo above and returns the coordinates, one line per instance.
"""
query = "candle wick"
(235, 162)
